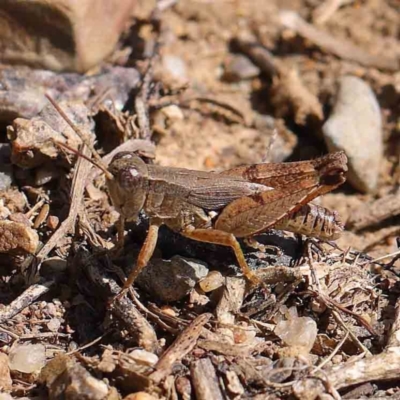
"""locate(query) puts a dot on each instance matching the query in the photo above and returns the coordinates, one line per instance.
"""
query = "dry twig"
(24, 300)
(326, 9)
(182, 346)
(371, 214)
(343, 49)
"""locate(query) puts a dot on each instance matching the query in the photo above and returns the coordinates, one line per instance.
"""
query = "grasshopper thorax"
(129, 186)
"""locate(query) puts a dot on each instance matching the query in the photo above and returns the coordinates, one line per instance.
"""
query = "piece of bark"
(61, 35)
(231, 301)
(180, 348)
(136, 323)
(205, 380)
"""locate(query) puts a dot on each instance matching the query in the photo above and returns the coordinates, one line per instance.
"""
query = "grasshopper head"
(128, 189)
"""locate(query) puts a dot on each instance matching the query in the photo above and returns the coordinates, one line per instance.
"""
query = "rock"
(5, 177)
(239, 67)
(171, 280)
(5, 377)
(27, 358)
(355, 126)
(66, 379)
(17, 237)
(143, 356)
(22, 90)
(5, 166)
(61, 35)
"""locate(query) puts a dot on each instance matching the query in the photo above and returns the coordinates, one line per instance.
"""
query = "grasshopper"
(221, 207)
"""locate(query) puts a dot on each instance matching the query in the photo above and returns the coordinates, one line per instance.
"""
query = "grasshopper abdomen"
(314, 221)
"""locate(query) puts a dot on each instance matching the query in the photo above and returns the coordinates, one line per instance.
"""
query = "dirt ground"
(221, 343)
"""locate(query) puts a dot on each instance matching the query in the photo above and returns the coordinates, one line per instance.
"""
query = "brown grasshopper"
(221, 207)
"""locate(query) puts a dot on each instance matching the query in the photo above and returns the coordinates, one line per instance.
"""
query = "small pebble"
(54, 325)
(27, 358)
(52, 222)
(45, 174)
(144, 356)
(175, 66)
(171, 280)
(4, 211)
(238, 68)
(355, 126)
(212, 281)
(5, 177)
(173, 113)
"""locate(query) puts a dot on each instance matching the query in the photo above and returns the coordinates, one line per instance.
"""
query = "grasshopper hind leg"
(224, 239)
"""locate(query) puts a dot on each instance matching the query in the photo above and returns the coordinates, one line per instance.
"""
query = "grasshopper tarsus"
(254, 244)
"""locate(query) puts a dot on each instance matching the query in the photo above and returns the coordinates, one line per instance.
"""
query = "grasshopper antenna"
(98, 161)
(101, 166)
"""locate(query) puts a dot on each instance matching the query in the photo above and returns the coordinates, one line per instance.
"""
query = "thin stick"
(78, 153)
(396, 253)
(76, 195)
(24, 300)
(80, 134)
(334, 352)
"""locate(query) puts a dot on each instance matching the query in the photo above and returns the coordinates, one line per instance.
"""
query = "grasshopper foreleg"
(145, 254)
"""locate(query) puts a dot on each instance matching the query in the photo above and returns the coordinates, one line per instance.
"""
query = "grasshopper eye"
(130, 177)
